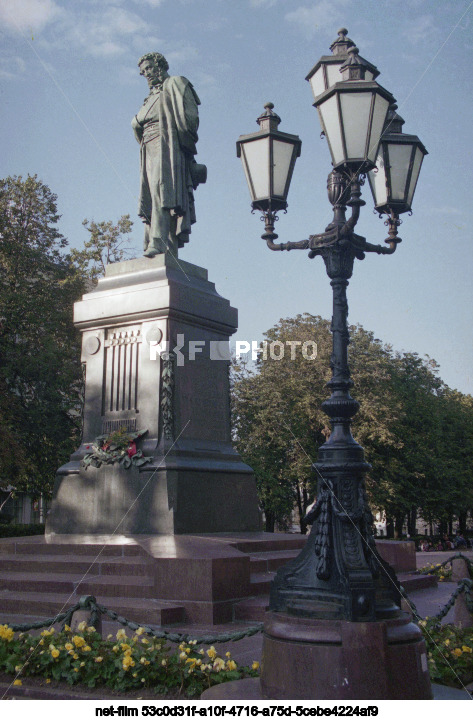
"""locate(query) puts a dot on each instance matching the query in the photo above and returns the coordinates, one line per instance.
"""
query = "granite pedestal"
(195, 481)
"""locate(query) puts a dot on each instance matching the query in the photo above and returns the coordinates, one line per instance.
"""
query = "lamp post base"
(306, 658)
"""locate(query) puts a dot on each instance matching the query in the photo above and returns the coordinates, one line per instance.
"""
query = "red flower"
(131, 450)
(105, 446)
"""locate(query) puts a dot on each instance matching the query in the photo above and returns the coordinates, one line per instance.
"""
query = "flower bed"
(450, 652)
(118, 662)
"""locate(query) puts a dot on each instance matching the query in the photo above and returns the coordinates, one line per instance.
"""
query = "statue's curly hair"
(156, 59)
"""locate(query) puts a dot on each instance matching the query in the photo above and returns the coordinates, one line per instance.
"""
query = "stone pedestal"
(318, 659)
(195, 482)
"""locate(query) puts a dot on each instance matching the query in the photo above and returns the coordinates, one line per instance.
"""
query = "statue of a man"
(166, 128)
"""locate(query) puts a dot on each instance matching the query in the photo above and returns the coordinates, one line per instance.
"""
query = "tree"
(405, 412)
(40, 374)
(108, 243)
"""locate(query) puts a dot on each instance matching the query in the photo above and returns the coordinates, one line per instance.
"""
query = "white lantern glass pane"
(378, 182)
(329, 113)
(399, 159)
(256, 155)
(418, 158)
(356, 116)
(380, 110)
(282, 156)
(317, 82)
(333, 74)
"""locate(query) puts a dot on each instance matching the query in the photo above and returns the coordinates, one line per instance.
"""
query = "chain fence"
(97, 611)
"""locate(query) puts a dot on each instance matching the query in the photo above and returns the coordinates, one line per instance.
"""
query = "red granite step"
(260, 583)
(39, 547)
(95, 585)
(416, 581)
(251, 609)
(271, 560)
(277, 544)
(141, 610)
(107, 565)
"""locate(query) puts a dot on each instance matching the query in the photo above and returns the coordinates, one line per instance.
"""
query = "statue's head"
(154, 67)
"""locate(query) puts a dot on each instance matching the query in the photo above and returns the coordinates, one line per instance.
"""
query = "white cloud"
(325, 14)
(102, 33)
(12, 67)
(28, 15)
(152, 3)
(262, 3)
(420, 29)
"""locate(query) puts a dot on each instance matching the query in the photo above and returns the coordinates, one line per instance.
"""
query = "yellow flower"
(110, 635)
(201, 651)
(45, 633)
(82, 626)
(115, 649)
(144, 661)
(143, 680)
(78, 641)
(127, 662)
(255, 665)
(90, 629)
(17, 682)
(68, 646)
(447, 642)
(54, 653)
(82, 663)
(76, 670)
(183, 655)
(48, 680)
(466, 649)
(98, 659)
(18, 668)
(87, 649)
(144, 641)
(140, 631)
(219, 664)
(231, 665)
(164, 662)
(125, 647)
(121, 634)
(67, 628)
(211, 653)
(192, 643)
(75, 657)
(457, 652)
(228, 654)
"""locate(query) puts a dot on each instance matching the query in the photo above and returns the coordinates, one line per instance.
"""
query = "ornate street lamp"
(335, 628)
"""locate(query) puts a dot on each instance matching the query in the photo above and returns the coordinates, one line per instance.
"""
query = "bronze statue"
(166, 128)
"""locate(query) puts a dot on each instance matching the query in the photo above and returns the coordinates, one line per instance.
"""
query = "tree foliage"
(40, 373)
(108, 243)
(417, 433)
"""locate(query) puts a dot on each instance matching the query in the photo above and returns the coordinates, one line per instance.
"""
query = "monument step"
(127, 586)
(415, 582)
(251, 609)
(106, 565)
(29, 547)
(259, 545)
(260, 582)
(271, 560)
(38, 605)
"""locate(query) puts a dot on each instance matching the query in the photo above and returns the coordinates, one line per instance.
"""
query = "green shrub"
(450, 652)
(17, 529)
(119, 662)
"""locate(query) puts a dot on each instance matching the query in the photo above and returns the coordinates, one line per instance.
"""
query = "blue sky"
(69, 87)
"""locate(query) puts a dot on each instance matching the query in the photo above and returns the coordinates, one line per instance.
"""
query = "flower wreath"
(118, 447)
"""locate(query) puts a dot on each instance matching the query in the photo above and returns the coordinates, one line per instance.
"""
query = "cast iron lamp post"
(335, 627)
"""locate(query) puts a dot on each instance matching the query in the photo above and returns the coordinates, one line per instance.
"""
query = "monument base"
(307, 658)
(112, 500)
(155, 348)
